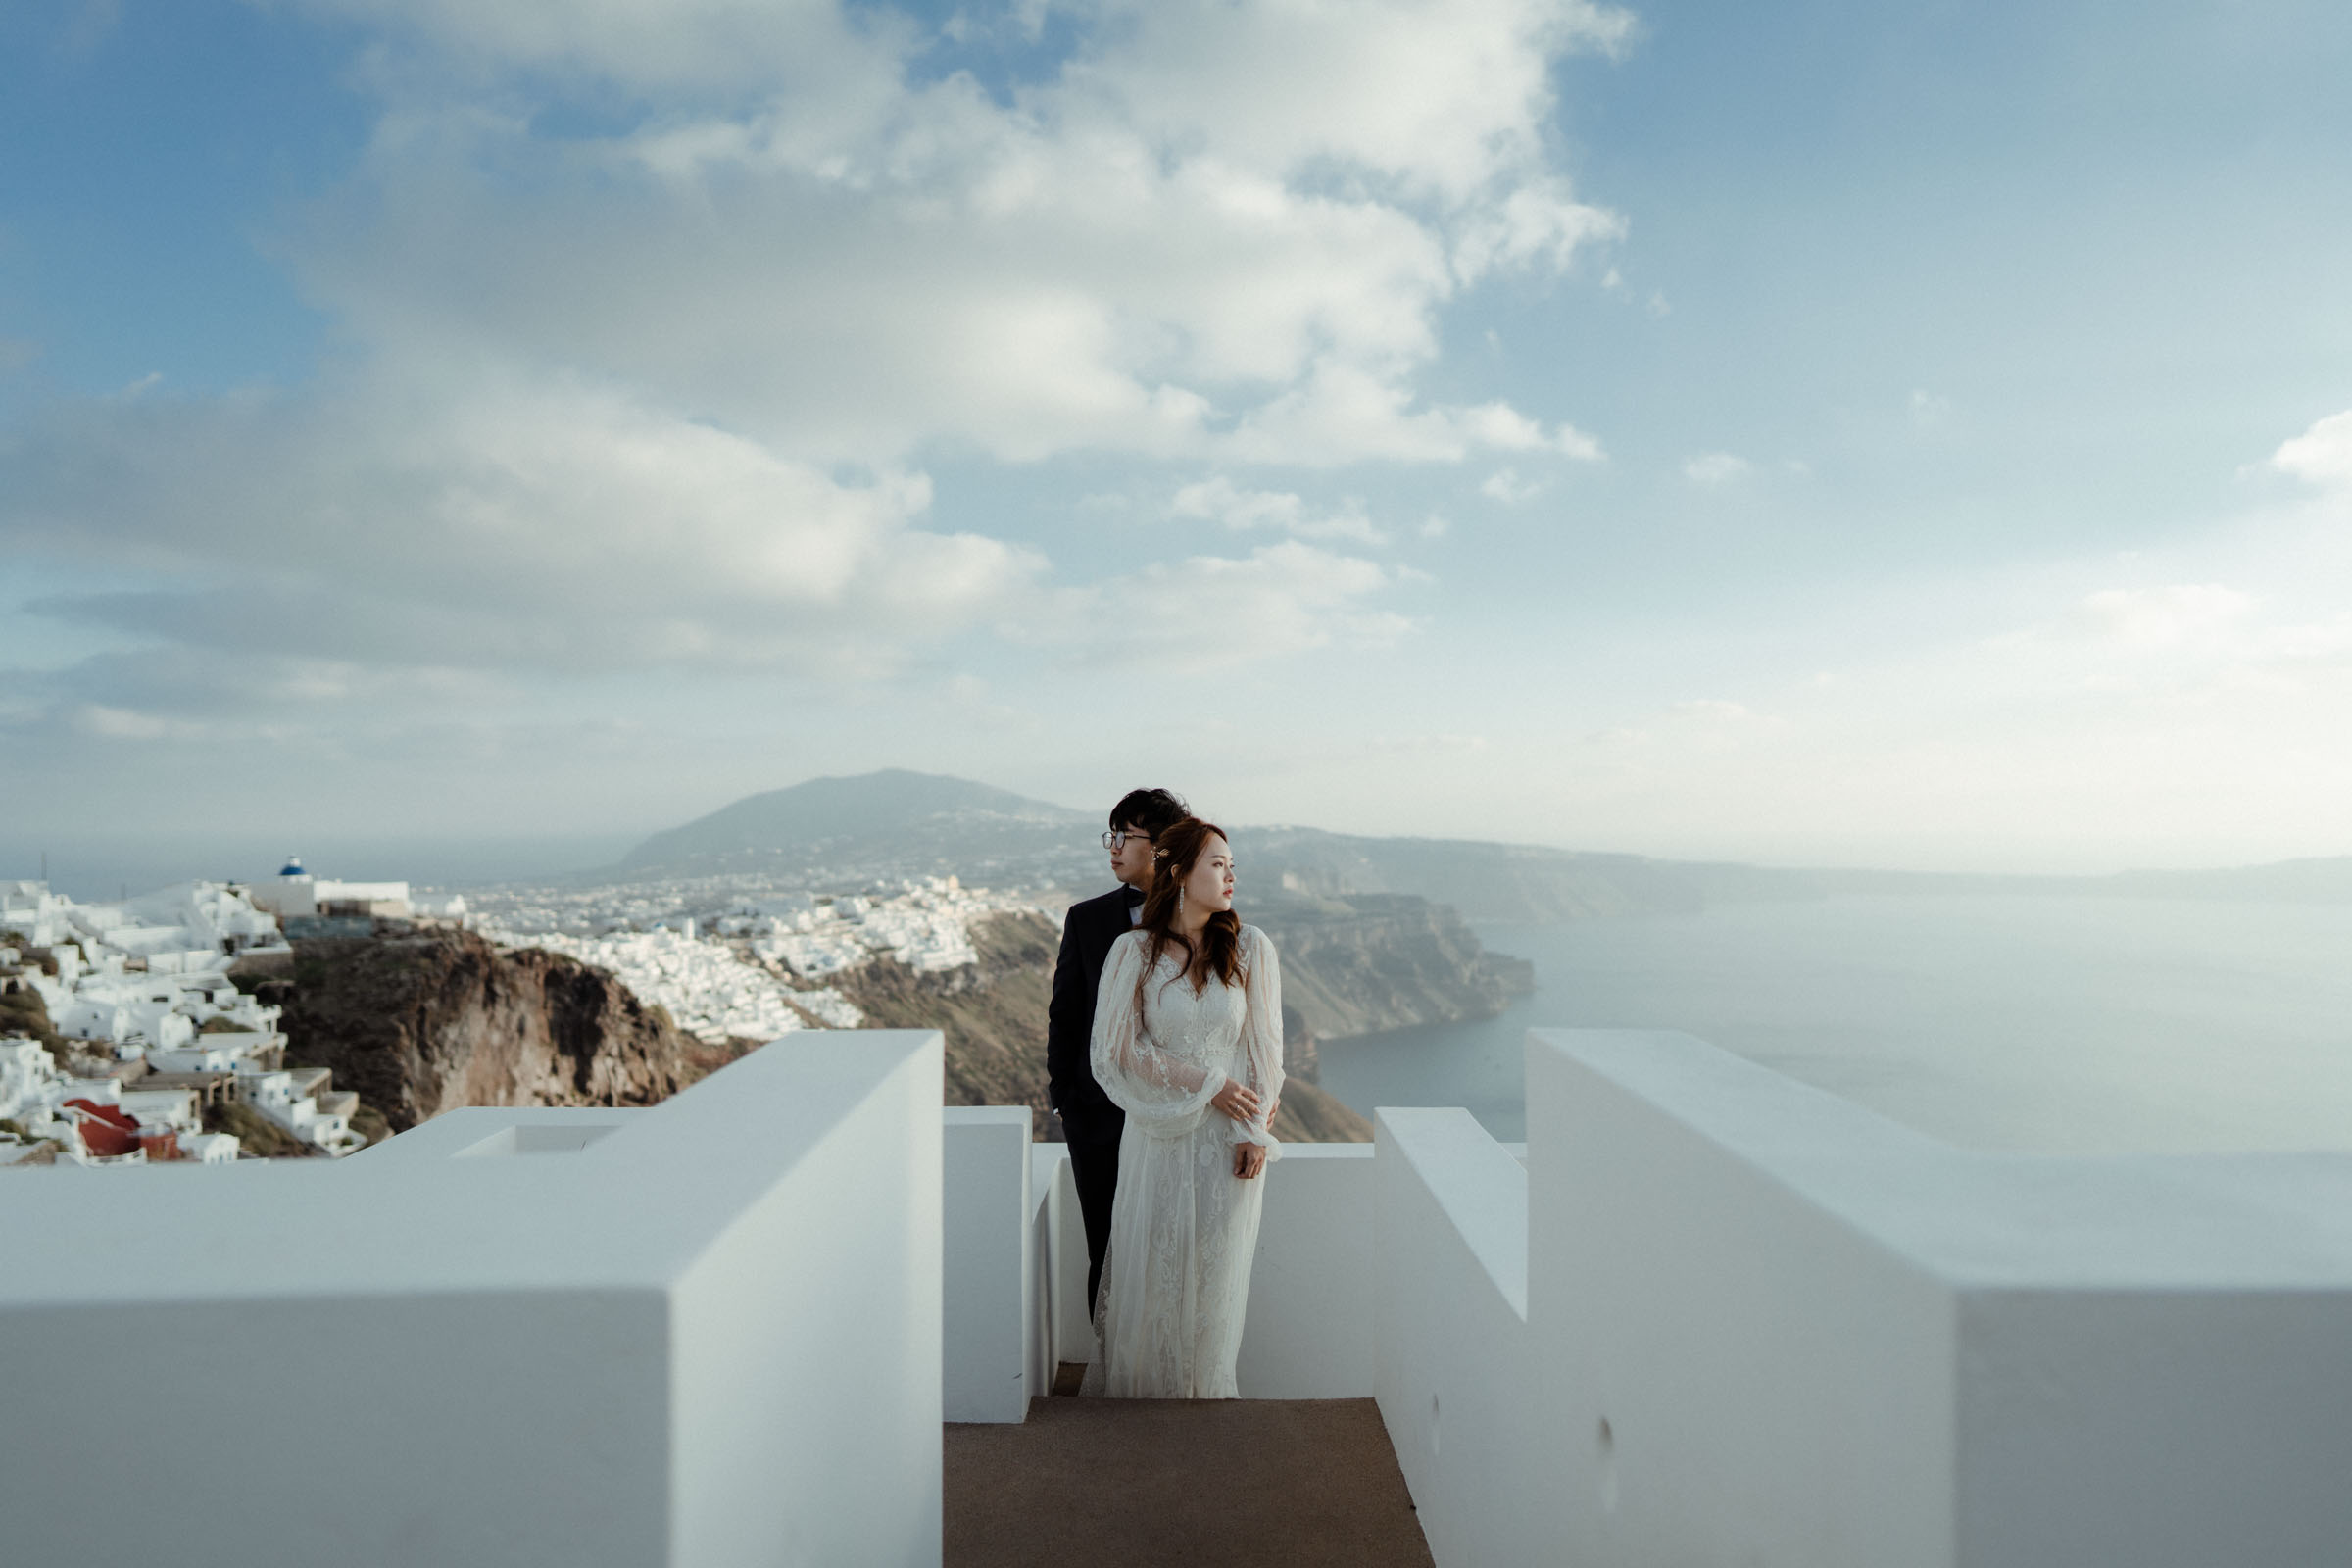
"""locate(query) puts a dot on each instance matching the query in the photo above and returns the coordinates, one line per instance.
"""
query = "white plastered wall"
(702, 1334)
(1308, 1330)
(1450, 1300)
(1818, 1340)
(990, 1288)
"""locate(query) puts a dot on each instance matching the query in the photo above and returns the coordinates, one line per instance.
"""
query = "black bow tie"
(1135, 896)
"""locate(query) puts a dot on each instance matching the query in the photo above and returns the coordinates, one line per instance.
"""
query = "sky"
(1819, 433)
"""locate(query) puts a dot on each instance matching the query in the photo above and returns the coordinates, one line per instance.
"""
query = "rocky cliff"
(1375, 961)
(421, 1021)
(994, 1017)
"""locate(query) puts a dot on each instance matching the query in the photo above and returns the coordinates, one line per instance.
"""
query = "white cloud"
(562, 525)
(1534, 224)
(645, 45)
(1507, 487)
(1447, 96)
(124, 724)
(2165, 617)
(662, 395)
(2321, 455)
(1210, 611)
(1219, 500)
(1714, 469)
(1153, 252)
(1929, 409)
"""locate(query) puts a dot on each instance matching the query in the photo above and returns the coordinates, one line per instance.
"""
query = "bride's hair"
(1175, 854)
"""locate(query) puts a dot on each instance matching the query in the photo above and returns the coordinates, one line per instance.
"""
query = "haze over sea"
(2054, 1024)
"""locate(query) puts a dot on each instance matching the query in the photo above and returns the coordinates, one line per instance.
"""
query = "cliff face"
(992, 1013)
(1377, 961)
(994, 1017)
(422, 1022)
(418, 1022)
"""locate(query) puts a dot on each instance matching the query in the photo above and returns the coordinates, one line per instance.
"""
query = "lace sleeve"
(1261, 1038)
(1163, 1092)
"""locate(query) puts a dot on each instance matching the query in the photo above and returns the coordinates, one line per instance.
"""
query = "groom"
(1088, 1120)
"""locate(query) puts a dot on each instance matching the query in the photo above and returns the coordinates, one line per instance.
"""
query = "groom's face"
(1131, 861)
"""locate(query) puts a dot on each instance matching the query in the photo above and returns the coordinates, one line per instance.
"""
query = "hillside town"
(754, 969)
(125, 1036)
(146, 1031)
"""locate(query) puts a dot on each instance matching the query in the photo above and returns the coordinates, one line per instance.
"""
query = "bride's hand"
(1237, 1102)
(1249, 1160)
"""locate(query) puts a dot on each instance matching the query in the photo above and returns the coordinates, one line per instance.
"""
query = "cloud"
(1929, 410)
(558, 526)
(2321, 455)
(646, 46)
(1506, 486)
(1536, 224)
(1448, 98)
(2167, 616)
(1218, 230)
(1219, 500)
(653, 317)
(1210, 612)
(1715, 469)
(121, 723)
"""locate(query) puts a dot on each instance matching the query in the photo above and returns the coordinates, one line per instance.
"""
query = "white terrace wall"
(1450, 1298)
(1767, 1328)
(1308, 1329)
(704, 1334)
(991, 1366)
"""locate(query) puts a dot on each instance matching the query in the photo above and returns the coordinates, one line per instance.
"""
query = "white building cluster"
(143, 986)
(926, 927)
(297, 895)
(757, 969)
(704, 984)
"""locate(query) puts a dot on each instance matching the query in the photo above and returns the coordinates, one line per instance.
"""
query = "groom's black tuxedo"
(1088, 1120)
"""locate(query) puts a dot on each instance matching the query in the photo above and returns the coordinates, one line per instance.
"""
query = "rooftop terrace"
(1712, 1317)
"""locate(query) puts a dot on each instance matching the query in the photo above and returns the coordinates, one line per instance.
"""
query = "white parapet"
(1766, 1327)
(701, 1334)
(990, 1372)
(1449, 1303)
(1309, 1331)
(1307, 1334)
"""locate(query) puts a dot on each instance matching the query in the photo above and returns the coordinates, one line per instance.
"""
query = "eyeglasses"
(1116, 839)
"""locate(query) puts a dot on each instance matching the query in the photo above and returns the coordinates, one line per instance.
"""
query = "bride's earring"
(1180, 901)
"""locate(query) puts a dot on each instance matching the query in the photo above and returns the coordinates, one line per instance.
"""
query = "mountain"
(898, 823)
(891, 823)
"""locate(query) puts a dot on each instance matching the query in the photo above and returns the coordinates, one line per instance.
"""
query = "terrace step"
(1142, 1482)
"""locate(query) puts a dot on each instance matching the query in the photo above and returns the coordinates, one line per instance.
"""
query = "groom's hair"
(1153, 811)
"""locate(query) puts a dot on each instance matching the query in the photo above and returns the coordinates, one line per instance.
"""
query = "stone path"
(1142, 1481)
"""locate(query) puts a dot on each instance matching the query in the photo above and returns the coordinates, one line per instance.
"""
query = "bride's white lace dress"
(1184, 1227)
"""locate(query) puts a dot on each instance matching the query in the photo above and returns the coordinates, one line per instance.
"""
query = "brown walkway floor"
(1141, 1482)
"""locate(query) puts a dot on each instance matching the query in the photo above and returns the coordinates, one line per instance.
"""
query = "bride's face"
(1209, 884)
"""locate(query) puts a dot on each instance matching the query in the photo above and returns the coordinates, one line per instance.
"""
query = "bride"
(1188, 1042)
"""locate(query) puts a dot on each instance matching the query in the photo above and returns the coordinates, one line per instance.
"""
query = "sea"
(2038, 1024)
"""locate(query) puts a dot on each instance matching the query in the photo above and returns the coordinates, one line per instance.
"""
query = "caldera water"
(2055, 1024)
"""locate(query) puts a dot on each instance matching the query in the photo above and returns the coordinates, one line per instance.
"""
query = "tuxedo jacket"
(1087, 933)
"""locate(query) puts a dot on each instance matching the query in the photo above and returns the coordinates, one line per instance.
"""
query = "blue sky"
(1810, 433)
